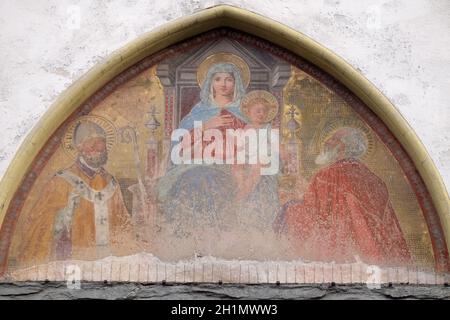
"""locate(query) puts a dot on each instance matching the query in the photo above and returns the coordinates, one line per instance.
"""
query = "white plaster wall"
(402, 46)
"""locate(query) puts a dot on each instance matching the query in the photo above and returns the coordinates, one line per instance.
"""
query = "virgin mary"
(194, 196)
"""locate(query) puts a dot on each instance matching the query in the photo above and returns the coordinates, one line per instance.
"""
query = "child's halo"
(269, 98)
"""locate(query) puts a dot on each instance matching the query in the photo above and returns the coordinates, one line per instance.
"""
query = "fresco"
(154, 169)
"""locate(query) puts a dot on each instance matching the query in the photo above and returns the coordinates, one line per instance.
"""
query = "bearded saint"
(80, 213)
(346, 212)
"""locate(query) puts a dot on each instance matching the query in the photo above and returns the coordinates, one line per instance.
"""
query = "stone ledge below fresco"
(100, 290)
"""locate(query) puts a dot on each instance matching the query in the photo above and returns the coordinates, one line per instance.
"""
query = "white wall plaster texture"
(402, 46)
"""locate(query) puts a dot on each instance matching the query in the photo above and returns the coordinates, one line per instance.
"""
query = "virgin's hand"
(218, 121)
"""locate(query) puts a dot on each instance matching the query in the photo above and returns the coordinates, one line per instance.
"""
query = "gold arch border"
(251, 23)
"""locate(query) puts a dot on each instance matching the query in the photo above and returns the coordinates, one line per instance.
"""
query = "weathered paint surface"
(107, 194)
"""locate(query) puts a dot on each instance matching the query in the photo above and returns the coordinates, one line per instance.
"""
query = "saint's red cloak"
(346, 212)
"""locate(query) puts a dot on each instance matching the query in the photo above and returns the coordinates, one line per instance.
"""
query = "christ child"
(258, 111)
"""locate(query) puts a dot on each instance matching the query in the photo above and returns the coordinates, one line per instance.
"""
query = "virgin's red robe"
(347, 212)
(235, 124)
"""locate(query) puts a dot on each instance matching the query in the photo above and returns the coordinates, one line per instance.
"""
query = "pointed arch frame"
(253, 24)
